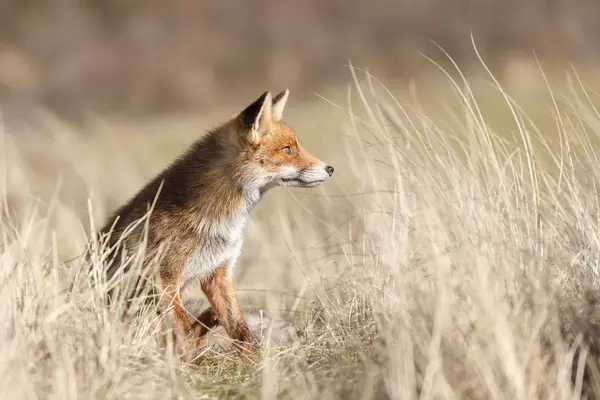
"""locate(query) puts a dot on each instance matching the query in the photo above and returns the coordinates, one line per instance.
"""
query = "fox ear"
(279, 102)
(256, 115)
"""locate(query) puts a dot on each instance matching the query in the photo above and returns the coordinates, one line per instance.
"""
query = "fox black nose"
(329, 170)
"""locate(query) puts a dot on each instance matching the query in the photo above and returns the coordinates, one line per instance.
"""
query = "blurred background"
(136, 58)
(96, 97)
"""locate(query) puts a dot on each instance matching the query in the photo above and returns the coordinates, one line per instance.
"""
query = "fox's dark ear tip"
(284, 93)
(251, 113)
(264, 95)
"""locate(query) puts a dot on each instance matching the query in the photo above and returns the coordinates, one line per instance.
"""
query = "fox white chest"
(221, 242)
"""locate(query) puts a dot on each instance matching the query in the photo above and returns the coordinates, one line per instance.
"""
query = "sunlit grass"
(454, 255)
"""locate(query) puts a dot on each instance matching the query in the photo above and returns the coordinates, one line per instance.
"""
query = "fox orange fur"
(200, 212)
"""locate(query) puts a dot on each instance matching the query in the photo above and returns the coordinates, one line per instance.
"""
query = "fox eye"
(288, 150)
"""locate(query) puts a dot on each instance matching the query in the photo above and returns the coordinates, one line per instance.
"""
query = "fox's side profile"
(201, 204)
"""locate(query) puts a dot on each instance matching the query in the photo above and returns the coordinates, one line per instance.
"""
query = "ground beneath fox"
(454, 254)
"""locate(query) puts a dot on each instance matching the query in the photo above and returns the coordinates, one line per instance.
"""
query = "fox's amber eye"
(288, 150)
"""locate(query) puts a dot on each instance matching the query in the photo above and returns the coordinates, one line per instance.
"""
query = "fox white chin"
(297, 182)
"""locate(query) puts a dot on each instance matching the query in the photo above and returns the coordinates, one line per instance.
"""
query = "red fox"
(200, 212)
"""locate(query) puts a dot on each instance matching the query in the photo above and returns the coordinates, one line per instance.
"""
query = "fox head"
(269, 153)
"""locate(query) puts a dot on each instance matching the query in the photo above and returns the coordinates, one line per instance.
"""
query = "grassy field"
(454, 255)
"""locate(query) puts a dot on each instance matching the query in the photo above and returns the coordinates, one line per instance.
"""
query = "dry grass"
(454, 256)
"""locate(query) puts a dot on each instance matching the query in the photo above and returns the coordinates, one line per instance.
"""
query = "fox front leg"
(219, 290)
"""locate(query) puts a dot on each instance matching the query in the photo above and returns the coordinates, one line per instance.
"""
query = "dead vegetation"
(456, 259)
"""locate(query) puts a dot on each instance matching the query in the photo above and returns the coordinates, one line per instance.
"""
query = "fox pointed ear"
(279, 102)
(256, 116)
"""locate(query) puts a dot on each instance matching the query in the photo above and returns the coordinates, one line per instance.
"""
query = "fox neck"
(228, 188)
